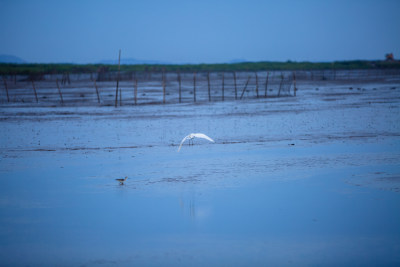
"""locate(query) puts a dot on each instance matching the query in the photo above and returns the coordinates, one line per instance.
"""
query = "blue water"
(63, 209)
(279, 188)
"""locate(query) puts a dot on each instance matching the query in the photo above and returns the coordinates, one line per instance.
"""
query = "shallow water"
(289, 181)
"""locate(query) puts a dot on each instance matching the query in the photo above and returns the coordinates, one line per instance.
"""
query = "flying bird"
(192, 136)
(121, 181)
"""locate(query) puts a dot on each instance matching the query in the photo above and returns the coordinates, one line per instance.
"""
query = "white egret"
(121, 181)
(192, 136)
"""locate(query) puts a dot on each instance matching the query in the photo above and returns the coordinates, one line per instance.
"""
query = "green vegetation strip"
(40, 69)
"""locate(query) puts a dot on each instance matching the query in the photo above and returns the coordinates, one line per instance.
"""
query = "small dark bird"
(121, 181)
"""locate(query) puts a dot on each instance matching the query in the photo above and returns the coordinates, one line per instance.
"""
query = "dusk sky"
(89, 31)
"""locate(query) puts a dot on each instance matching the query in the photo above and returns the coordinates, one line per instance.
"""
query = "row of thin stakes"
(224, 85)
(35, 93)
(208, 86)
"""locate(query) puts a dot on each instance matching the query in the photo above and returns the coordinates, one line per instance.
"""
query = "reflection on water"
(188, 207)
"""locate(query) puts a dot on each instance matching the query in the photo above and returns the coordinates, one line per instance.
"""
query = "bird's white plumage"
(192, 136)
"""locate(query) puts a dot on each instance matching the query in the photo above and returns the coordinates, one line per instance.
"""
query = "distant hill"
(11, 59)
(133, 61)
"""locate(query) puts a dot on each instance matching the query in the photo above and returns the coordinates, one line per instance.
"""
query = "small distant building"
(389, 57)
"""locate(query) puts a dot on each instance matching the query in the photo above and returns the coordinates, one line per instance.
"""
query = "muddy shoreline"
(306, 180)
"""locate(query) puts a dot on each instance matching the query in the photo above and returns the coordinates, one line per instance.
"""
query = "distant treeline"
(41, 69)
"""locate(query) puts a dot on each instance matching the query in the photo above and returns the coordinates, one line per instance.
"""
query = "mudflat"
(306, 180)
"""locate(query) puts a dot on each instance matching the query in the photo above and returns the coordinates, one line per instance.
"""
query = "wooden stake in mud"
(120, 96)
(116, 90)
(256, 85)
(223, 86)
(294, 83)
(194, 86)
(34, 91)
(59, 91)
(234, 78)
(266, 84)
(334, 70)
(209, 87)
(163, 85)
(180, 88)
(280, 86)
(5, 85)
(244, 89)
(97, 92)
(135, 91)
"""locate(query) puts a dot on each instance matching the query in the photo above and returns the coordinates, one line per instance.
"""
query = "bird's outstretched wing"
(183, 140)
(200, 135)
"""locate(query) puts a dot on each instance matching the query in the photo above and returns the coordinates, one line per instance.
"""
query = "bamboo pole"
(163, 85)
(234, 78)
(244, 89)
(5, 85)
(266, 84)
(59, 91)
(116, 89)
(97, 91)
(280, 86)
(135, 91)
(294, 83)
(120, 96)
(209, 87)
(194, 86)
(180, 87)
(256, 85)
(223, 86)
(34, 91)
(334, 71)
